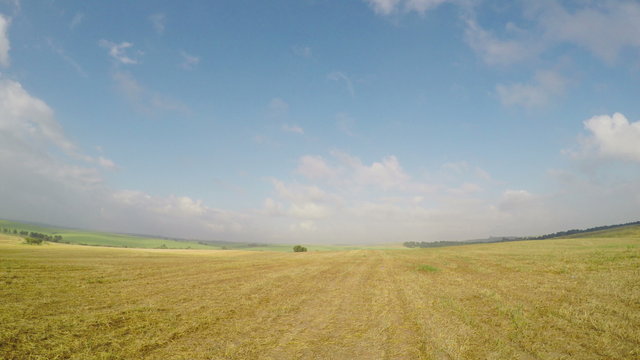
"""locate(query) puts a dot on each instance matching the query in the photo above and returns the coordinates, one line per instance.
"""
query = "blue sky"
(321, 121)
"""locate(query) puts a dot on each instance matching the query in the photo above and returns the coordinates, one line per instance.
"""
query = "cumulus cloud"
(119, 51)
(4, 41)
(303, 201)
(613, 137)
(336, 198)
(545, 87)
(351, 201)
(348, 170)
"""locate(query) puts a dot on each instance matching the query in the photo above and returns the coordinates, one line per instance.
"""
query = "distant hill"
(97, 238)
(598, 231)
(631, 229)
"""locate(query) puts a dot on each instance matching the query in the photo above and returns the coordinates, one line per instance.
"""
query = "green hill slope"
(632, 231)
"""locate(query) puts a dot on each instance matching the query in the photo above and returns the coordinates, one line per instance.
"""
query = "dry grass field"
(556, 299)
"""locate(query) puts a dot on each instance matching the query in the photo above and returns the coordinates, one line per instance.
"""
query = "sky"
(319, 121)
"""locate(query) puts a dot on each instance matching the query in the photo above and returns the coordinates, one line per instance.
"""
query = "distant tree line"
(579, 231)
(34, 235)
(424, 244)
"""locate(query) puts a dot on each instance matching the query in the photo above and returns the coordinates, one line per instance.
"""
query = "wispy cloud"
(604, 29)
(278, 108)
(158, 21)
(143, 99)
(119, 51)
(545, 87)
(68, 59)
(496, 51)
(293, 129)
(303, 51)
(388, 7)
(340, 76)
(76, 20)
(188, 61)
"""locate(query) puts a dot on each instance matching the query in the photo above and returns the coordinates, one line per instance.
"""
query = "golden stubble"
(552, 299)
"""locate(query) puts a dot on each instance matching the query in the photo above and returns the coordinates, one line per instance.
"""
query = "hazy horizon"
(360, 121)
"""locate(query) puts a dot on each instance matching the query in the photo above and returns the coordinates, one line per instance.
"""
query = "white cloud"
(118, 51)
(309, 210)
(293, 129)
(4, 41)
(189, 61)
(106, 163)
(466, 188)
(158, 21)
(387, 7)
(515, 200)
(273, 208)
(604, 28)
(613, 137)
(340, 76)
(495, 51)
(46, 184)
(349, 174)
(77, 20)
(384, 7)
(27, 120)
(385, 174)
(315, 168)
(546, 86)
(26, 117)
(304, 201)
(421, 6)
(304, 226)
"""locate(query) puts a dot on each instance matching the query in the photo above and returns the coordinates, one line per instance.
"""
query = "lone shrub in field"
(299, 248)
(33, 241)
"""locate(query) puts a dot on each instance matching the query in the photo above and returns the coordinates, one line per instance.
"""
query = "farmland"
(551, 299)
(95, 238)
